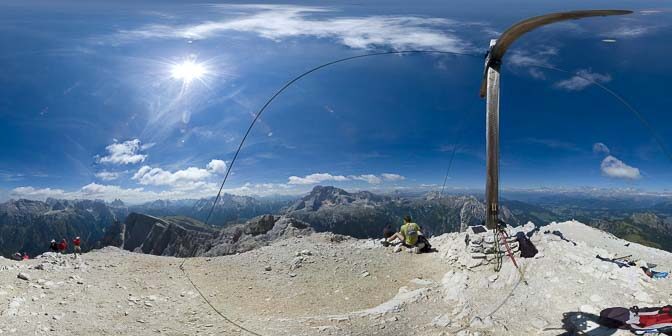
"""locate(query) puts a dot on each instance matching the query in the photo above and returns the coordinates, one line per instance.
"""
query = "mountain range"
(167, 227)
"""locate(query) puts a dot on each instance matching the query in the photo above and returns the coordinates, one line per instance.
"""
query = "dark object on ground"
(654, 274)
(577, 323)
(626, 245)
(478, 229)
(639, 320)
(531, 233)
(388, 231)
(559, 234)
(385, 243)
(427, 246)
(614, 317)
(527, 249)
(618, 262)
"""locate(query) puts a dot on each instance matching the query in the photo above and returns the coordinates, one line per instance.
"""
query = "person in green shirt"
(408, 235)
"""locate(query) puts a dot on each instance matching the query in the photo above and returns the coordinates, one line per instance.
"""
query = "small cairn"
(480, 244)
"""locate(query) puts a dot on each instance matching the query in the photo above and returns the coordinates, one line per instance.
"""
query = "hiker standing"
(63, 246)
(53, 246)
(77, 244)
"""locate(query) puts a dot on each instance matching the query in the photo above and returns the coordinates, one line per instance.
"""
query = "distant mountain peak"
(329, 196)
(117, 203)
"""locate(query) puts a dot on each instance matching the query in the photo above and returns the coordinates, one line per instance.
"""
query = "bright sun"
(187, 71)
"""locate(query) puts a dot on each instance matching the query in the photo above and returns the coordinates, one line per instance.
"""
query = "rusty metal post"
(490, 90)
(492, 145)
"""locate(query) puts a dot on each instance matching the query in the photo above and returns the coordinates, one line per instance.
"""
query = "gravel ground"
(318, 285)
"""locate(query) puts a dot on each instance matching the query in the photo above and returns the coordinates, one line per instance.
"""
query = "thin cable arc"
(623, 101)
(297, 78)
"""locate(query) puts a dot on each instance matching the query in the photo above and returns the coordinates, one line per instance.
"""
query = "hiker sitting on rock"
(409, 236)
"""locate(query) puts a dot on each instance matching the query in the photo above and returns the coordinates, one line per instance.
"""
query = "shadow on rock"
(579, 323)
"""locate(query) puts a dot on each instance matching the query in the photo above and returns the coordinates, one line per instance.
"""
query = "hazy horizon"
(142, 104)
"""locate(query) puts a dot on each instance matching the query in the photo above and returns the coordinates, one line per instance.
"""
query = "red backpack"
(638, 320)
(654, 317)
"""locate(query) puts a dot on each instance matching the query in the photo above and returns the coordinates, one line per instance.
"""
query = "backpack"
(411, 234)
(653, 319)
(527, 249)
(638, 320)
(427, 248)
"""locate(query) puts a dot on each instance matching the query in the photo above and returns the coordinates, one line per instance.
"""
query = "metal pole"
(490, 90)
(492, 145)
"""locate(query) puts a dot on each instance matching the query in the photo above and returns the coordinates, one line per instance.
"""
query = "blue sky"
(141, 100)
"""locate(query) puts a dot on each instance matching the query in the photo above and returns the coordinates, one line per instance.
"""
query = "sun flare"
(188, 71)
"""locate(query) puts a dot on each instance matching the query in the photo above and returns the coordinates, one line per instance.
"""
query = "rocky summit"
(364, 214)
(326, 284)
(185, 237)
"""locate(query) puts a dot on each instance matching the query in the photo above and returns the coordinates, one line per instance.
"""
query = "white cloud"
(316, 178)
(393, 177)
(33, 193)
(599, 147)
(267, 189)
(628, 32)
(581, 80)
(529, 60)
(186, 179)
(126, 152)
(368, 178)
(107, 175)
(616, 168)
(191, 177)
(277, 22)
(139, 195)
(539, 56)
(109, 193)
(217, 167)
(326, 177)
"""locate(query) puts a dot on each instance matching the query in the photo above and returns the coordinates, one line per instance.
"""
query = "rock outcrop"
(256, 233)
(170, 236)
(28, 226)
(364, 214)
(187, 237)
(230, 209)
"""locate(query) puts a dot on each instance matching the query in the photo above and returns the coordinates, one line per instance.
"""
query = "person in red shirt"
(63, 246)
(25, 256)
(77, 244)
